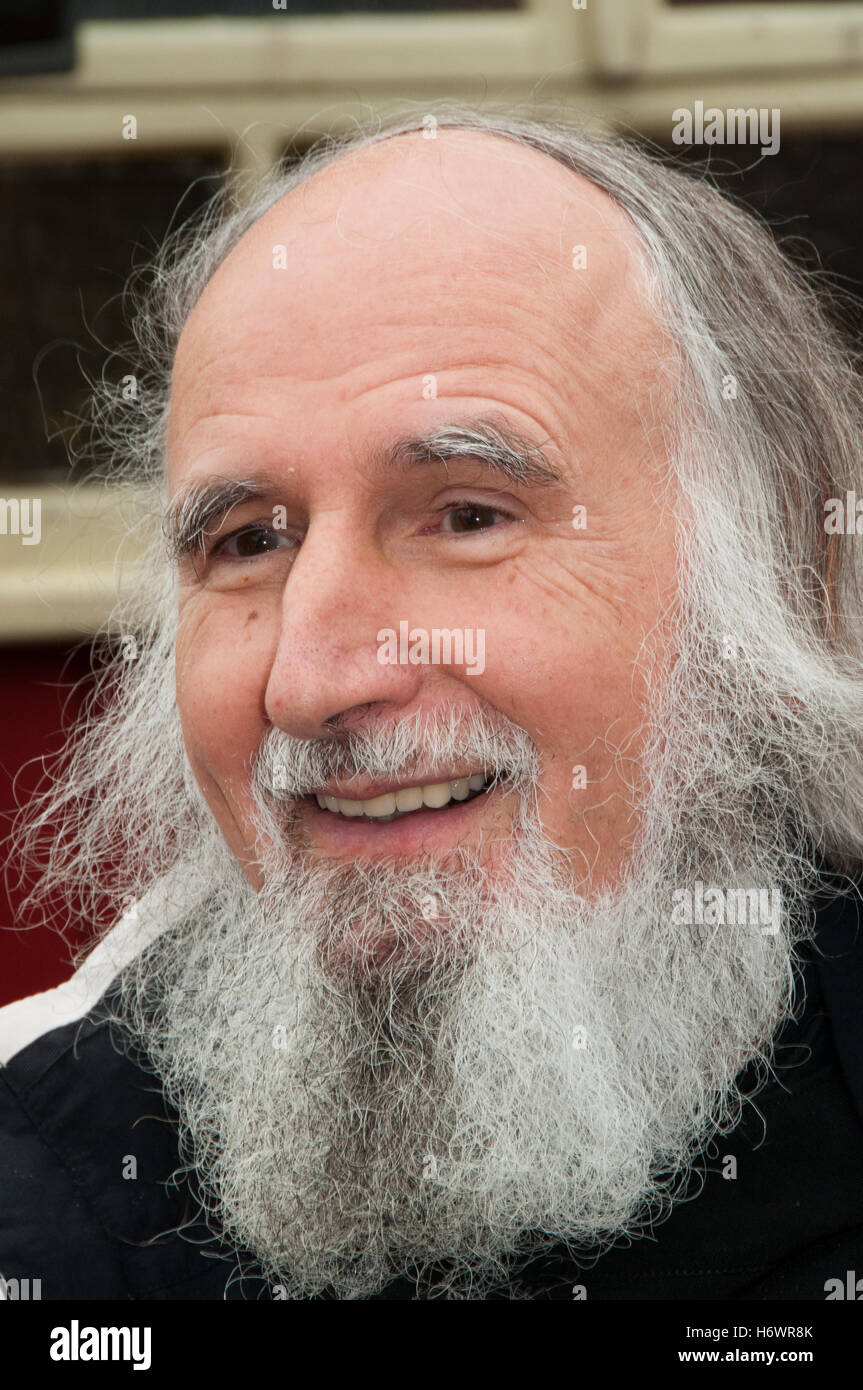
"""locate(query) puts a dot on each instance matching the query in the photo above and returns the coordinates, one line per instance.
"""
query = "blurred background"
(218, 85)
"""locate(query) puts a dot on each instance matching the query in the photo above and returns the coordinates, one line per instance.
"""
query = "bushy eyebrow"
(493, 442)
(200, 508)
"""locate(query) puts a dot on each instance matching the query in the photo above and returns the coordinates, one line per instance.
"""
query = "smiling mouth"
(434, 796)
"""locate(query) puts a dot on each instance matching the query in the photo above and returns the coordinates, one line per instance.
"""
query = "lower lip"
(409, 834)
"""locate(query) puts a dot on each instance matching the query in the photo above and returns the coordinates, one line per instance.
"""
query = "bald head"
(413, 256)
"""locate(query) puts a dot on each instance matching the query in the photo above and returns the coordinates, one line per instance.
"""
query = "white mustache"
(288, 767)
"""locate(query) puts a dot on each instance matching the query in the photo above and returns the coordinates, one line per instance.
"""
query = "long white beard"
(523, 1068)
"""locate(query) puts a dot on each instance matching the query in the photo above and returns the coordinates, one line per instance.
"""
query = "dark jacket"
(74, 1110)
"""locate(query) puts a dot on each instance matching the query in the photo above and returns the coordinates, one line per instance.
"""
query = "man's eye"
(472, 516)
(252, 541)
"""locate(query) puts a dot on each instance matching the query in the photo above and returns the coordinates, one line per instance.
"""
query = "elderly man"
(484, 788)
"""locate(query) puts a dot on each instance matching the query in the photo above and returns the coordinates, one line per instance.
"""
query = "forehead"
(413, 256)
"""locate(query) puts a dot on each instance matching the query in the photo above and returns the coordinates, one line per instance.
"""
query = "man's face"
(415, 286)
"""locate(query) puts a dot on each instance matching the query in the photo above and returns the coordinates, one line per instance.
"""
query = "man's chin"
(367, 951)
(376, 922)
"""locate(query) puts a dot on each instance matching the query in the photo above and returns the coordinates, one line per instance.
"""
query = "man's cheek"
(582, 584)
(219, 687)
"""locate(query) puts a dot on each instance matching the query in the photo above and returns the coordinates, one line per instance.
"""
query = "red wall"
(35, 685)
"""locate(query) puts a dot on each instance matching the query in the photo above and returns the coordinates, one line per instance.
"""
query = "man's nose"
(341, 591)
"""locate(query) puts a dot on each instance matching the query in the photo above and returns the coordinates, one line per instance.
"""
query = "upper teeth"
(436, 794)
